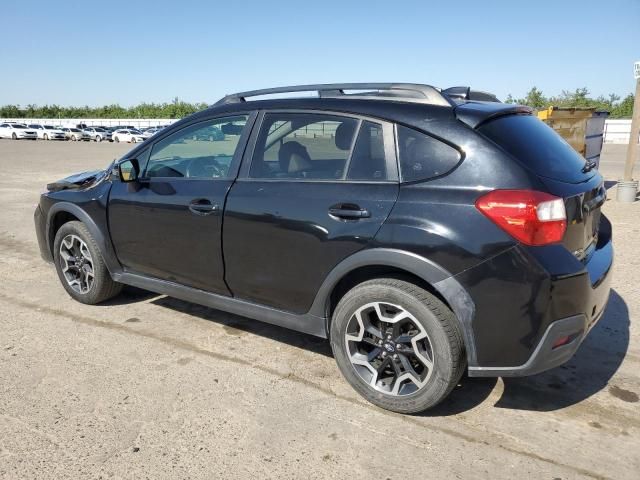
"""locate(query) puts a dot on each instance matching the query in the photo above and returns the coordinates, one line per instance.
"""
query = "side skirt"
(306, 323)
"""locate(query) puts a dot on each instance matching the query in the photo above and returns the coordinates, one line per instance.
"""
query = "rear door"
(169, 226)
(314, 188)
(563, 171)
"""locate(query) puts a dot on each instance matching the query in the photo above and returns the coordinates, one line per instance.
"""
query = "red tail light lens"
(531, 217)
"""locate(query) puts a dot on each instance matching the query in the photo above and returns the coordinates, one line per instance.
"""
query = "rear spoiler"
(474, 113)
(465, 93)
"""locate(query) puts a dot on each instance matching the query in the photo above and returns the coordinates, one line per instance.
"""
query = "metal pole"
(632, 150)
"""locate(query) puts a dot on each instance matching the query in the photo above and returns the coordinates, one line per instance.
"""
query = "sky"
(96, 53)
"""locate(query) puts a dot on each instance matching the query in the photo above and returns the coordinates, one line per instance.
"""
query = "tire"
(73, 138)
(133, 140)
(426, 320)
(98, 138)
(102, 287)
(117, 140)
(45, 137)
(14, 136)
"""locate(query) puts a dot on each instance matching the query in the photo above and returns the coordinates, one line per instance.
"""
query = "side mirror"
(129, 170)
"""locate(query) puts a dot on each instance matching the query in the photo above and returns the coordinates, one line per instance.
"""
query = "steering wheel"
(207, 167)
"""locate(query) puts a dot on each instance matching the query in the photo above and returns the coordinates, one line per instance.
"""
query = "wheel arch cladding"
(63, 212)
(377, 262)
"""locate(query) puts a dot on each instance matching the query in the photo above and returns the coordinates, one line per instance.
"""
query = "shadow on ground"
(588, 372)
(236, 325)
(130, 295)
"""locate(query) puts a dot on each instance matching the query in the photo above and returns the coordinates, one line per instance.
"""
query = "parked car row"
(37, 131)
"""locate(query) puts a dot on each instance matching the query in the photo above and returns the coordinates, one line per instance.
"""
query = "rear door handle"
(202, 206)
(348, 211)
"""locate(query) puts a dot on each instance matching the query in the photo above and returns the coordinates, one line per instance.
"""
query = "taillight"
(531, 217)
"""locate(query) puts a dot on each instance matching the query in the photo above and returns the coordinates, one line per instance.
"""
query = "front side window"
(202, 150)
(318, 147)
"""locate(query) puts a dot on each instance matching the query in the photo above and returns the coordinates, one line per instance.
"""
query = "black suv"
(425, 232)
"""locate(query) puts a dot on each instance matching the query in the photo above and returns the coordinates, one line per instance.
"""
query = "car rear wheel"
(80, 266)
(399, 346)
(117, 139)
(98, 138)
(74, 138)
(14, 136)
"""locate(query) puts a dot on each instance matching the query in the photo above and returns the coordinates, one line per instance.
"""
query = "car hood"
(79, 181)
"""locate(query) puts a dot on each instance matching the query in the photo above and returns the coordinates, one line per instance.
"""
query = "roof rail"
(410, 92)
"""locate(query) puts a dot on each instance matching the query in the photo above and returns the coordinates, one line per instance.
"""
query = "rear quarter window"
(423, 157)
(537, 146)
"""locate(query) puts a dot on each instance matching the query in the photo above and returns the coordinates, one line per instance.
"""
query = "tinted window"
(368, 159)
(423, 157)
(311, 146)
(197, 151)
(537, 146)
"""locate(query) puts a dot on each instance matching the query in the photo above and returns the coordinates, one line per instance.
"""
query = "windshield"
(74, 129)
(19, 125)
(136, 132)
(49, 127)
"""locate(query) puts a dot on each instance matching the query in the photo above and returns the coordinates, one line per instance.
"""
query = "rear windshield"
(538, 147)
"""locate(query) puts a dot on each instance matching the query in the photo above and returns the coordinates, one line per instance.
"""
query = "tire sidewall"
(427, 396)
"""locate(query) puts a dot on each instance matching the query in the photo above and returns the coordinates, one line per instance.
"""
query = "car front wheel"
(117, 139)
(98, 138)
(80, 266)
(398, 345)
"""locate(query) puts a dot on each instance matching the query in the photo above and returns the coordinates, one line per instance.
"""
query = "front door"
(168, 225)
(317, 190)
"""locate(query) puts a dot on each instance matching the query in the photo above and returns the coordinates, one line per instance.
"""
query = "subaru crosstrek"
(424, 232)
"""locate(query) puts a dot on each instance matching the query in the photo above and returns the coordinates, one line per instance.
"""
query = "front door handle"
(348, 211)
(202, 206)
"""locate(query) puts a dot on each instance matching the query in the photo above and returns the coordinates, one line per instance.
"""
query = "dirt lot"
(152, 387)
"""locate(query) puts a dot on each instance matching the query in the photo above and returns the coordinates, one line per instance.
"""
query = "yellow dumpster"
(570, 123)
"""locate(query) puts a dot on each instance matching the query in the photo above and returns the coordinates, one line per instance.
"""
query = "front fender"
(101, 238)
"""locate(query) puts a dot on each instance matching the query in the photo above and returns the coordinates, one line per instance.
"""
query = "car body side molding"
(305, 323)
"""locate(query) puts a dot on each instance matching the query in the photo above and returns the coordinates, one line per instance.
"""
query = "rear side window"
(537, 146)
(423, 157)
(308, 146)
(368, 161)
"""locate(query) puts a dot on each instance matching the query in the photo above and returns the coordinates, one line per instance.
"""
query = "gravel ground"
(151, 387)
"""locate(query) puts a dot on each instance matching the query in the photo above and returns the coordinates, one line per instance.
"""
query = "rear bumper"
(545, 356)
(529, 298)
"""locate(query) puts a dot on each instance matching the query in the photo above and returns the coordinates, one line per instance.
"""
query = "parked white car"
(47, 132)
(127, 135)
(97, 134)
(75, 134)
(17, 131)
(150, 132)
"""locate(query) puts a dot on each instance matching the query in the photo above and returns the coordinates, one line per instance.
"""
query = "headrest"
(293, 157)
(344, 135)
